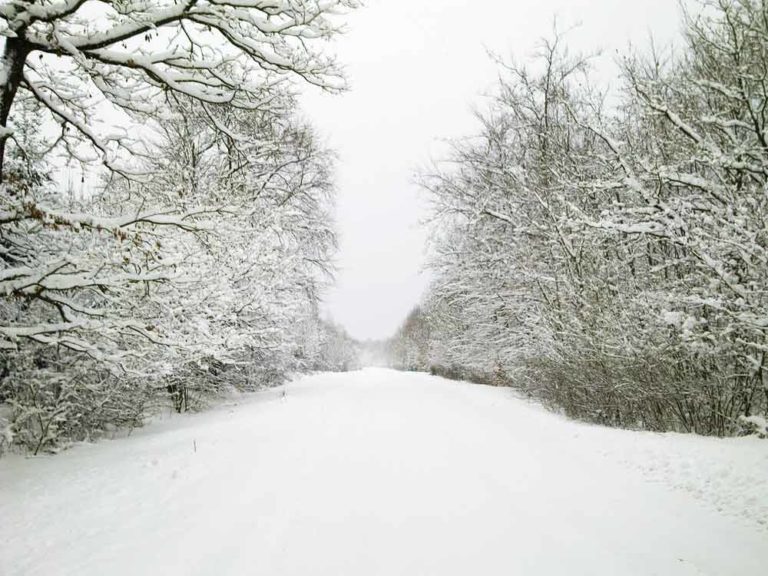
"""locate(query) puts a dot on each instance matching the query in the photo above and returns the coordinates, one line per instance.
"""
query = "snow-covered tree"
(78, 57)
(203, 233)
(612, 259)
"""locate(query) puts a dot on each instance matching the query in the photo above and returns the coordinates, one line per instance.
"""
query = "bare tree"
(77, 56)
(612, 260)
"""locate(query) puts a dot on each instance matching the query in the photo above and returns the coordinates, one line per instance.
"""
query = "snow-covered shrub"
(611, 257)
(60, 398)
(754, 425)
(6, 427)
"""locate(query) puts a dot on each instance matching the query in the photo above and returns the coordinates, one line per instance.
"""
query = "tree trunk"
(11, 72)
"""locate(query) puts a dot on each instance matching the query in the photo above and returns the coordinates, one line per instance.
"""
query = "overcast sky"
(415, 68)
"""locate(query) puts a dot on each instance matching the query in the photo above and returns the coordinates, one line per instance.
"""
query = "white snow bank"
(728, 475)
(378, 472)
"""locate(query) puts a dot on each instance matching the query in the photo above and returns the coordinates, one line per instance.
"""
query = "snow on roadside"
(729, 475)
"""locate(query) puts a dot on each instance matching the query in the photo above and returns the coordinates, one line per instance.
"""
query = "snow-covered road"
(378, 472)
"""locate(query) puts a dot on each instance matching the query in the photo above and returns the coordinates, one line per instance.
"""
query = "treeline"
(190, 260)
(609, 255)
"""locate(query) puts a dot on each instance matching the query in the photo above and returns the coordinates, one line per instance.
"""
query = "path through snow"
(384, 473)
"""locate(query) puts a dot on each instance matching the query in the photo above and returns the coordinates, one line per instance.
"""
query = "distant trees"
(612, 260)
(410, 347)
(194, 259)
(337, 350)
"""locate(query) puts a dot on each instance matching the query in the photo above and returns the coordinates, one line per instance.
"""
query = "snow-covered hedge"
(610, 256)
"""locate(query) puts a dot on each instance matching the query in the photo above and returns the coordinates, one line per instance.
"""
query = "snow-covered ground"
(378, 472)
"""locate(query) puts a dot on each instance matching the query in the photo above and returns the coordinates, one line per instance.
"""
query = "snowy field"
(378, 472)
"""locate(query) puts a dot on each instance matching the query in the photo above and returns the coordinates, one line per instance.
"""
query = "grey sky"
(416, 67)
